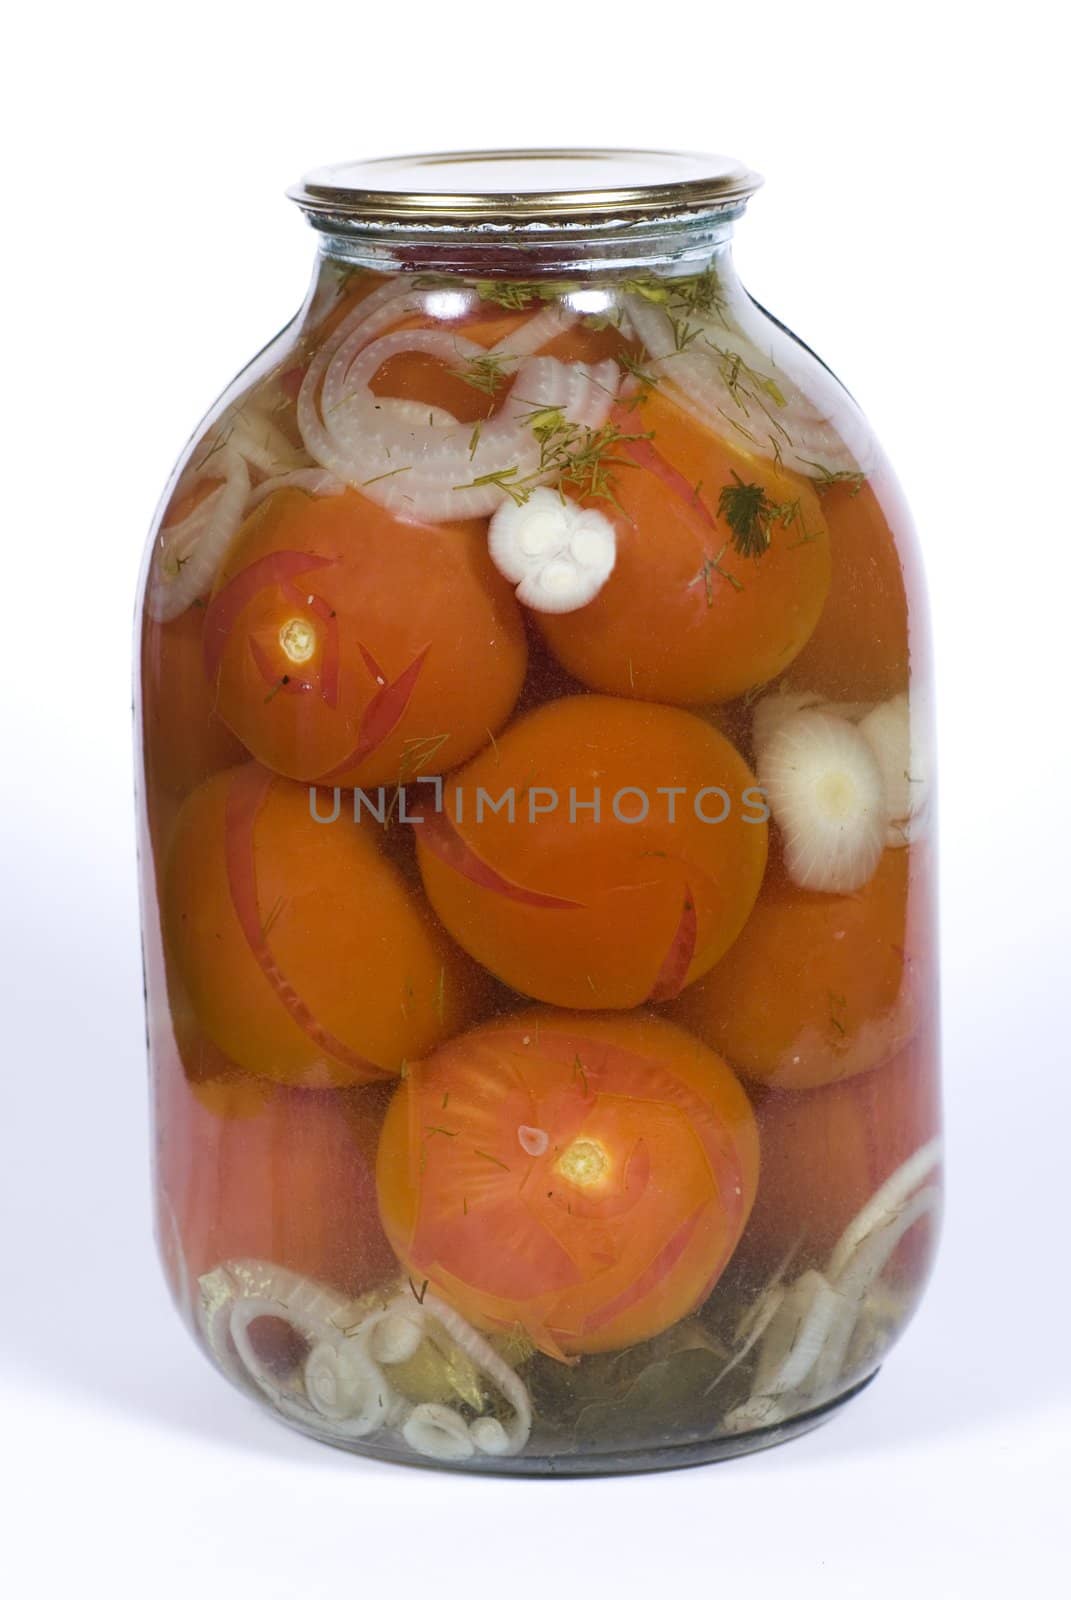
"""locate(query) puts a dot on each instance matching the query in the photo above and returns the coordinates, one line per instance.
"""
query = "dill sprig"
(705, 575)
(484, 373)
(701, 293)
(513, 295)
(510, 296)
(380, 476)
(584, 457)
(746, 508)
(752, 516)
(569, 453)
(635, 368)
(827, 478)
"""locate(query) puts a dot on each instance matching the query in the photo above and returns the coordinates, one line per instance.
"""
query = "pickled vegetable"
(537, 806)
(583, 1178)
(600, 854)
(305, 954)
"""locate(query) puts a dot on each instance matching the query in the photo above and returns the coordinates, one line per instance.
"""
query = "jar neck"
(673, 246)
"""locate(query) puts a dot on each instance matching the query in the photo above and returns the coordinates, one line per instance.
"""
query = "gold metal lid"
(522, 188)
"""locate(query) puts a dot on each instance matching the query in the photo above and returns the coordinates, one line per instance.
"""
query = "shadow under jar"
(536, 832)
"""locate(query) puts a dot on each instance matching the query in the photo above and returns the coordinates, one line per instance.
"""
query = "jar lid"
(526, 187)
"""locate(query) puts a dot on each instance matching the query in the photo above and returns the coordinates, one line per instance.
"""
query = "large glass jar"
(537, 831)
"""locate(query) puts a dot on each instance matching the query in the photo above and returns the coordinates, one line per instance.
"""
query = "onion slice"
(188, 554)
(420, 462)
(716, 373)
(827, 795)
(558, 554)
(341, 1390)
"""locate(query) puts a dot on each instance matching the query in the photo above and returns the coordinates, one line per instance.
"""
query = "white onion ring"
(313, 480)
(858, 1276)
(799, 431)
(188, 554)
(884, 1205)
(415, 462)
(500, 1372)
(532, 335)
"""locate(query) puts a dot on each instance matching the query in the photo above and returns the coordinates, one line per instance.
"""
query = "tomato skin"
(246, 1168)
(306, 956)
(826, 1151)
(684, 617)
(860, 649)
(183, 738)
(347, 647)
(818, 987)
(586, 1177)
(596, 912)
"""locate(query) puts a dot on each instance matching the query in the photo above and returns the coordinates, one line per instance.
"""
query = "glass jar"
(536, 822)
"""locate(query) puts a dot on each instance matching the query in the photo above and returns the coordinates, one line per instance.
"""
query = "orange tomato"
(258, 1170)
(213, 1078)
(607, 909)
(306, 957)
(859, 649)
(818, 986)
(826, 1151)
(183, 737)
(347, 647)
(684, 616)
(585, 1177)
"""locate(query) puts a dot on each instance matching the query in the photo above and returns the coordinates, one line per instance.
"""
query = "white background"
(912, 230)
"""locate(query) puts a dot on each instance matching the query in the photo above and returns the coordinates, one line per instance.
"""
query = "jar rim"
(533, 188)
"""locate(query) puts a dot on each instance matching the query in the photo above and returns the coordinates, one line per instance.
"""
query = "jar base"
(663, 1458)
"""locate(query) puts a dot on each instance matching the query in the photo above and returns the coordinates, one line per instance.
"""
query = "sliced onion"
(419, 462)
(258, 439)
(500, 1372)
(437, 1431)
(189, 553)
(538, 331)
(797, 431)
(858, 1277)
(884, 1204)
(827, 795)
(313, 480)
(795, 1336)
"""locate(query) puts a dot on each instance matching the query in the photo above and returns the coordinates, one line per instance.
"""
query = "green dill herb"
(380, 476)
(701, 293)
(416, 753)
(569, 453)
(827, 479)
(484, 373)
(580, 456)
(752, 517)
(510, 296)
(747, 509)
(711, 566)
(274, 690)
(501, 480)
(636, 369)
(683, 333)
(272, 917)
(486, 1155)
